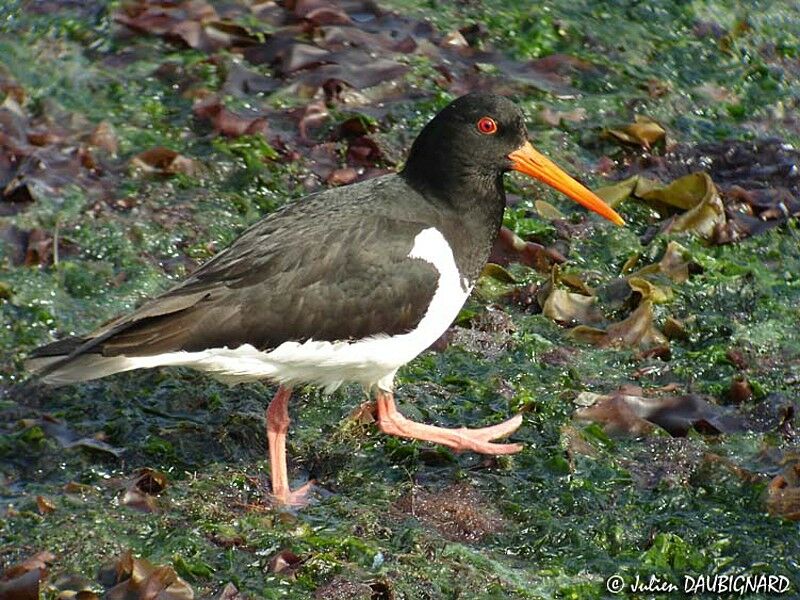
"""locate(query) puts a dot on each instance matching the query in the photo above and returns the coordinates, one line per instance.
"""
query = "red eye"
(487, 125)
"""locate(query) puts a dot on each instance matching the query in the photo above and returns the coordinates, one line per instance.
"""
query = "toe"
(301, 497)
(495, 449)
(500, 430)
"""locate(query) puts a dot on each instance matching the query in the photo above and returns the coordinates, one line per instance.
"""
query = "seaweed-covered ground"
(657, 365)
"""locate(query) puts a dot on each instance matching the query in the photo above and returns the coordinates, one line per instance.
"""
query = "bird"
(345, 285)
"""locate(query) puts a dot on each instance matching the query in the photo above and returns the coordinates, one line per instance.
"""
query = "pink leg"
(277, 425)
(477, 440)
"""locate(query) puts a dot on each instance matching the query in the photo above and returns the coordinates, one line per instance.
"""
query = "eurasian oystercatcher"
(345, 285)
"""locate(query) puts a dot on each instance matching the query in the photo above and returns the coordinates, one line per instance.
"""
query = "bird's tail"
(65, 361)
(150, 337)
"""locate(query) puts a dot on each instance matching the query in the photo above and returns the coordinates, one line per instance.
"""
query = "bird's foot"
(391, 421)
(299, 498)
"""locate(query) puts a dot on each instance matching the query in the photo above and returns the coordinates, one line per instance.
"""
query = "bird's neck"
(471, 205)
(474, 193)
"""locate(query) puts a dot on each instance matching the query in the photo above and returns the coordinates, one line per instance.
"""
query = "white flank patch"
(371, 361)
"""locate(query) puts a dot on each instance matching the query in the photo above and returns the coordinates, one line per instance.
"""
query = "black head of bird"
(473, 141)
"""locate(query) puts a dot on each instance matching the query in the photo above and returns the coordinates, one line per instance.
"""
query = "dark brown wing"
(341, 287)
(327, 268)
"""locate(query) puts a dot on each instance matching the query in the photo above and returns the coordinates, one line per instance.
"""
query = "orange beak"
(527, 160)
